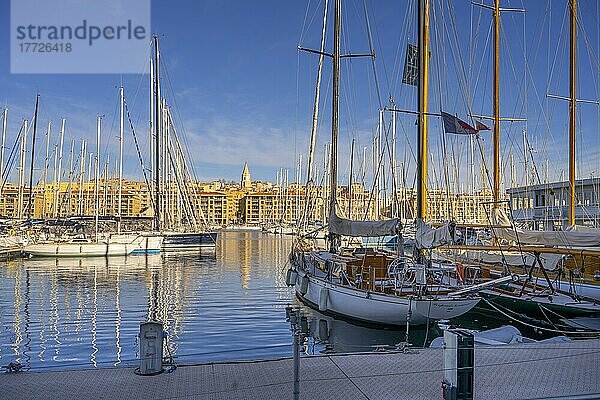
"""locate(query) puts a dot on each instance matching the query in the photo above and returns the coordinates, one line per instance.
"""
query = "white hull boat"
(81, 248)
(380, 308)
(11, 246)
(388, 302)
(144, 243)
(178, 241)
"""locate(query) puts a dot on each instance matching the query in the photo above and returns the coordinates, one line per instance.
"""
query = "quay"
(518, 371)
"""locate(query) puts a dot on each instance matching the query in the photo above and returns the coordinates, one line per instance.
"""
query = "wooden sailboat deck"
(521, 371)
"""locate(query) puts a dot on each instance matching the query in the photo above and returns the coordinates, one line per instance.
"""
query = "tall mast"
(572, 109)
(71, 173)
(350, 180)
(35, 116)
(157, 131)
(80, 201)
(122, 105)
(46, 168)
(423, 108)
(335, 102)
(54, 180)
(22, 161)
(496, 150)
(60, 156)
(4, 115)
(315, 120)
(151, 139)
(376, 172)
(393, 169)
(96, 191)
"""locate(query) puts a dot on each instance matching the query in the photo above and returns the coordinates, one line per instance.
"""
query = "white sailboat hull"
(143, 244)
(380, 308)
(94, 249)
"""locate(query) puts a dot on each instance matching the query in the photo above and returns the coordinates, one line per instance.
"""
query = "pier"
(519, 371)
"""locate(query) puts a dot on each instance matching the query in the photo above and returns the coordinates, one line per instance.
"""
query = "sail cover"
(572, 237)
(549, 261)
(428, 237)
(347, 227)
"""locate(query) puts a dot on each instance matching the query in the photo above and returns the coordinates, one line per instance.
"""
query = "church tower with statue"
(246, 182)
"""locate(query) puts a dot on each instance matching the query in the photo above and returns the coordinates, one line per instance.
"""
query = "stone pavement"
(522, 371)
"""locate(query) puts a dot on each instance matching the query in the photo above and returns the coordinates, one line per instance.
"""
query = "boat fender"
(323, 298)
(460, 269)
(304, 285)
(290, 278)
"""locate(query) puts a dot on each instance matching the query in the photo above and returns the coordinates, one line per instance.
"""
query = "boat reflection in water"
(84, 312)
(226, 303)
(333, 335)
(215, 304)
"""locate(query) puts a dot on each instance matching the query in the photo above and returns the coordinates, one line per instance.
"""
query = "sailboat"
(536, 255)
(369, 286)
(192, 237)
(82, 246)
(144, 242)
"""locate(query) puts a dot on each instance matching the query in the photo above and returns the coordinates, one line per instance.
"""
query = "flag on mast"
(453, 124)
(410, 76)
(480, 126)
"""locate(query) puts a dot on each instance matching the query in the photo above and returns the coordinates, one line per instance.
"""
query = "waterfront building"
(211, 208)
(442, 206)
(221, 203)
(545, 206)
(273, 207)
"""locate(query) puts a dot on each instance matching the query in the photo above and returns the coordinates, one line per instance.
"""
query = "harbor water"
(226, 303)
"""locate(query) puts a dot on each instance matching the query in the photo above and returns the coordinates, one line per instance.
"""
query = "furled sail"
(428, 237)
(347, 227)
(572, 237)
(516, 259)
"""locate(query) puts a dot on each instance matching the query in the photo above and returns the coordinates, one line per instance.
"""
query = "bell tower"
(246, 182)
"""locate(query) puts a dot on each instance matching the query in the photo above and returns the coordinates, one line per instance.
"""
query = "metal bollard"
(151, 348)
(459, 363)
(299, 328)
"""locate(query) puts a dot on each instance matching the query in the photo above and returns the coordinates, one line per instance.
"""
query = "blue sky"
(245, 94)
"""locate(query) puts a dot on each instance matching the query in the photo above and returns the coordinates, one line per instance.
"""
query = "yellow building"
(272, 207)
(464, 208)
(211, 208)
(253, 203)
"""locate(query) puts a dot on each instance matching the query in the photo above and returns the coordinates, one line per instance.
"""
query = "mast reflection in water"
(221, 304)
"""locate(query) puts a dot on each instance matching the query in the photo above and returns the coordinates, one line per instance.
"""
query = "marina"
(420, 221)
(226, 303)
